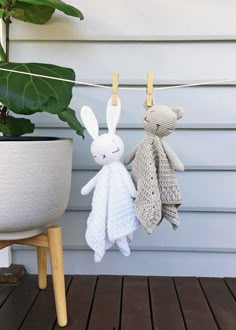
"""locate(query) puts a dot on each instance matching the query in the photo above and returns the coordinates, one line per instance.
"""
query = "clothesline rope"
(76, 82)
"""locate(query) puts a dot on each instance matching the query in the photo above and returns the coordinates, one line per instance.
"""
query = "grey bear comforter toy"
(153, 170)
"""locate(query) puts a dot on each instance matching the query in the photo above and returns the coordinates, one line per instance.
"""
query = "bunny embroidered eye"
(145, 119)
(118, 149)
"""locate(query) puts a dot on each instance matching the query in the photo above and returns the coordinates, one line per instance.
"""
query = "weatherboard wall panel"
(194, 147)
(202, 224)
(199, 189)
(169, 61)
(137, 20)
(202, 105)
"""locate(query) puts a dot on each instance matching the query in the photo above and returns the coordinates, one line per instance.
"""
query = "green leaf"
(56, 4)
(2, 53)
(4, 3)
(16, 126)
(26, 94)
(2, 13)
(69, 116)
(32, 13)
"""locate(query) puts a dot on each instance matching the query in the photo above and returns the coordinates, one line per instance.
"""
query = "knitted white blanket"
(112, 219)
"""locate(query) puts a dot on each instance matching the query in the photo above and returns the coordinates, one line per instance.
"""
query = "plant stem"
(8, 22)
(3, 115)
(7, 38)
(4, 110)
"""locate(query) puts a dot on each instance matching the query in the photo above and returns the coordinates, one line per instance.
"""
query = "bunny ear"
(90, 121)
(113, 115)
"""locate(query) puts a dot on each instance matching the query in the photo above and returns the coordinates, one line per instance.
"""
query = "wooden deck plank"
(13, 312)
(231, 283)
(194, 305)
(165, 305)
(105, 313)
(43, 314)
(5, 291)
(79, 301)
(221, 301)
(135, 304)
(140, 303)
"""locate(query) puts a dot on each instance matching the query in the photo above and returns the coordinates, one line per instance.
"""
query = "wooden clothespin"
(149, 98)
(115, 82)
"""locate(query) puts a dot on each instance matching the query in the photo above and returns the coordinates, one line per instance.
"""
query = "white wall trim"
(157, 263)
(6, 257)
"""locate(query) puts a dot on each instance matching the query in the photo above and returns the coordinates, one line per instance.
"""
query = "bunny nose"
(104, 156)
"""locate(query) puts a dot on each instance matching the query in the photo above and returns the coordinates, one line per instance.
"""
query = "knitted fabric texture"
(158, 193)
(153, 169)
(112, 219)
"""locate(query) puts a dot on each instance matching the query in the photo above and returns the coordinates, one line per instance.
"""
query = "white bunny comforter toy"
(112, 219)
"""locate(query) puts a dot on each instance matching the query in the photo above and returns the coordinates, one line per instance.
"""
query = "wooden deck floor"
(126, 303)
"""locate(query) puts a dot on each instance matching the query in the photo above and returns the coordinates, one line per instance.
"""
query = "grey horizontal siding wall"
(187, 42)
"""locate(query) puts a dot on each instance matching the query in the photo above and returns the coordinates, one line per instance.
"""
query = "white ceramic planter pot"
(35, 182)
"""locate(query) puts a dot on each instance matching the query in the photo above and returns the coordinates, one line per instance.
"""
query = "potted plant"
(35, 172)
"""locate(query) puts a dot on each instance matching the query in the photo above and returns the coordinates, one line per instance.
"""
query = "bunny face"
(107, 148)
(160, 120)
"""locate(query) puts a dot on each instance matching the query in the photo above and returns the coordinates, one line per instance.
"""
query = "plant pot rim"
(32, 139)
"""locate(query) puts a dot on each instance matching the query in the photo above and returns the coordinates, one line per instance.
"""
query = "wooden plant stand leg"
(52, 240)
(57, 265)
(42, 266)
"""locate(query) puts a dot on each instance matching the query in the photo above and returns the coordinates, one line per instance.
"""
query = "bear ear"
(179, 112)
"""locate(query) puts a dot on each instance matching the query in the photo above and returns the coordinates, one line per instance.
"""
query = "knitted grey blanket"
(158, 194)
